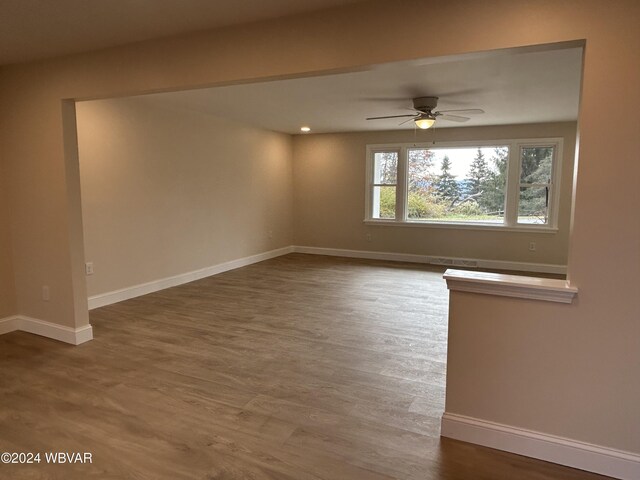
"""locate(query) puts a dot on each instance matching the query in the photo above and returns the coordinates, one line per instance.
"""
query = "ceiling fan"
(424, 116)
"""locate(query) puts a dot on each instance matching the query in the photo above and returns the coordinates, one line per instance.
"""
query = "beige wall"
(166, 192)
(572, 370)
(537, 366)
(329, 186)
(604, 254)
(7, 290)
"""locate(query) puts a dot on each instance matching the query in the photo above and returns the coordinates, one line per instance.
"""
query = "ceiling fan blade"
(406, 121)
(389, 116)
(468, 111)
(453, 118)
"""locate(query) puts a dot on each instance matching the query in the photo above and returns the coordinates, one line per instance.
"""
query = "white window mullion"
(401, 188)
(513, 186)
(554, 193)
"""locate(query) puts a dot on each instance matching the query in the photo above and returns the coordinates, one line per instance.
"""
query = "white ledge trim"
(547, 289)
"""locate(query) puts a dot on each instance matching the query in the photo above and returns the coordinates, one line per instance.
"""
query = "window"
(385, 181)
(536, 164)
(457, 184)
(508, 183)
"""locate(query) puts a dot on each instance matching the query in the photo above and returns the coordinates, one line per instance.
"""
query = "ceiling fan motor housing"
(425, 103)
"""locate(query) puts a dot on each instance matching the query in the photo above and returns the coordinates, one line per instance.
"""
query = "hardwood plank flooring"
(301, 367)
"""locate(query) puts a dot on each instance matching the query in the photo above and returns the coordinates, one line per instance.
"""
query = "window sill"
(464, 226)
(546, 289)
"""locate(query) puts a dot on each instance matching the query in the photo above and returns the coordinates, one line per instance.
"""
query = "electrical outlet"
(45, 293)
(270, 233)
(532, 246)
(88, 268)
(368, 237)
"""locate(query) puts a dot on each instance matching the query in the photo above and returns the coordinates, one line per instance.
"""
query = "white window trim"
(371, 183)
(512, 194)
(554, 190)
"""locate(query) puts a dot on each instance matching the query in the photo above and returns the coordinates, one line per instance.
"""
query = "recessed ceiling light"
(305, 129)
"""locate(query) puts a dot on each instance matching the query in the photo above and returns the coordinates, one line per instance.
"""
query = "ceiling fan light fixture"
(425, 122)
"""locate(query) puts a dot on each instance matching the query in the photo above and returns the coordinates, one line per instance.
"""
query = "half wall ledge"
(545, 289)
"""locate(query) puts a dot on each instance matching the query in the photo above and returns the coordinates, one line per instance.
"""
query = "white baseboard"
(115, 296)
(74, 336)
(339, 252)
(8, 325)
(550, 448)
(108, 298)
(444, 261)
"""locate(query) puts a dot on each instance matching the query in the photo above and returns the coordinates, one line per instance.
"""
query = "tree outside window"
(464, 183)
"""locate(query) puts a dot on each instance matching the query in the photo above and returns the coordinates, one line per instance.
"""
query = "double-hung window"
(536, 183)
(384, 184)
(504, 183)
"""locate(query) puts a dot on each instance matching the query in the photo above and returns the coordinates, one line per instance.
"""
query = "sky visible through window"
(461, 159)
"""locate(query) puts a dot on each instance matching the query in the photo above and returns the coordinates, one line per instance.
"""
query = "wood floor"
(301, 367)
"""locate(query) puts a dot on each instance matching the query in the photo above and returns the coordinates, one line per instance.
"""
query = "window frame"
(372, 183)
(553, 200)
(512, 187)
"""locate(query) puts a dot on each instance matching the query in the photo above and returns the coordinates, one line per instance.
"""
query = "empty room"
(319, 240)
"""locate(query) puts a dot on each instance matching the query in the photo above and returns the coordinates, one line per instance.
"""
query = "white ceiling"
(35, 29)
(513, 87)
